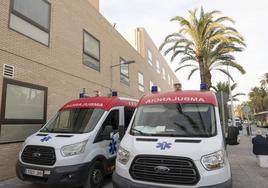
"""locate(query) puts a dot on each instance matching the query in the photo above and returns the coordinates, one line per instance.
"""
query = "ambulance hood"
(193, 148)
(56, 140)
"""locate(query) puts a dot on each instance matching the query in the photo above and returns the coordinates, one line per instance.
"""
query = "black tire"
(95, 176)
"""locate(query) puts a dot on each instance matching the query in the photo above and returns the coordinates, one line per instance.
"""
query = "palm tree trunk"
(208, 78)
(202, 69)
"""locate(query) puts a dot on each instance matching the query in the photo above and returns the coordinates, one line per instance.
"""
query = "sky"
(154, 15)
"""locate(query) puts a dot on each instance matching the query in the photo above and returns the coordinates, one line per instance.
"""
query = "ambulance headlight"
(214, 161)
(73, 149)
(123, 155)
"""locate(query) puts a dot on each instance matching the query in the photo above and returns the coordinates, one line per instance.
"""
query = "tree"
(205, 43)
(240, 110)
(264, 80)
(224, 87)
(258, 99)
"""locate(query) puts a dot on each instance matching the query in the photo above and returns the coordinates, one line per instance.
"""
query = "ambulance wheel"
(95, 176)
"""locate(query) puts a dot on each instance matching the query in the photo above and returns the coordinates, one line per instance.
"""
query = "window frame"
(3, 120)
(29, 20)
(99, 136)
(139, 84)
(122, 75)
(213, 120)
(91, 55)
(150, 59)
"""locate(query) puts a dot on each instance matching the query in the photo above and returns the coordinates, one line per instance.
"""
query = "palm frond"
(239, 94)
(224, 18)
(187, 58)
(174, 55)
(173, 35)
(183, 66)
(182, 21)
(225, 72)
(192, 72)
(233, 86)
(215, 88)
(173, 48)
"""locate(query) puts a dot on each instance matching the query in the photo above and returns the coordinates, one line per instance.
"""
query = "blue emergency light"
(82, 93)
(114, 93)
(203, 86)
(154, 89)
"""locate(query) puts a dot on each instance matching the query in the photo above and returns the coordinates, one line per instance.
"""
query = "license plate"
(33, 172)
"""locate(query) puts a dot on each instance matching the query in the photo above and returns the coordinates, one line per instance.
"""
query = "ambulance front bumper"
(73, 175)
(121, 182)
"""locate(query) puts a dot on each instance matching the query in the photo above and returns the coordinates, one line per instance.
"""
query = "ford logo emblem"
(36, 154)
(161, 169)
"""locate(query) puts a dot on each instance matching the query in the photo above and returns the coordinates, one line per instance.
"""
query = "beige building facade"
(49, 55)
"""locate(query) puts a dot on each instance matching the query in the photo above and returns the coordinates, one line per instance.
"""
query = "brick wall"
(59, 66)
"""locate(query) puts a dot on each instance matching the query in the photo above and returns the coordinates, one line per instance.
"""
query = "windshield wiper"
(142, 133)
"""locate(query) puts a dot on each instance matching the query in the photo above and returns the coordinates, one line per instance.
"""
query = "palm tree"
(205, 43)
(258, 98)
(240, 110)
(224, 87)
(264, 80)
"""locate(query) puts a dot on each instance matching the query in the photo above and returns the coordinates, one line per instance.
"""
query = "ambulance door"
(109, 144)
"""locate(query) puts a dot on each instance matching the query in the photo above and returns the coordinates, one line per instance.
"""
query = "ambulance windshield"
(74, 120)
(180, 120)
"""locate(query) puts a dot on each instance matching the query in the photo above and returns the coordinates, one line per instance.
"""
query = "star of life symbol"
(163, 145)
(112, 147)
(46, 138)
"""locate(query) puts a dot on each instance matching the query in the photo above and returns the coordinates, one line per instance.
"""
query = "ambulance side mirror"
(107, 132)
(121, 130)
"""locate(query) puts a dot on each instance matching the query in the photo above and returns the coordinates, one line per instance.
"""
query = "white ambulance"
(175, 139)
(78, 145)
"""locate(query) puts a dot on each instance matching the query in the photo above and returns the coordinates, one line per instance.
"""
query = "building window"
(23, 103)
(141, 82)
(159, 89)
(91, 51)
(150, 57)
(36, 12)
(31, 18)
(157, 67)
(168, 79)
(164, 73)
(124, 72)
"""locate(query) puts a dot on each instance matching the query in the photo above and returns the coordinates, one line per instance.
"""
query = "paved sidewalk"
(8, 157)
(246, 173)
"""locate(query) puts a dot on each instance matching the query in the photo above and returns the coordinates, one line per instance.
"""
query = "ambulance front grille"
(164, 169)
(40, 155)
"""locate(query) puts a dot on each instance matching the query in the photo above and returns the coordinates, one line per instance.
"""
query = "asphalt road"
(16, 183)
(245, 171)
